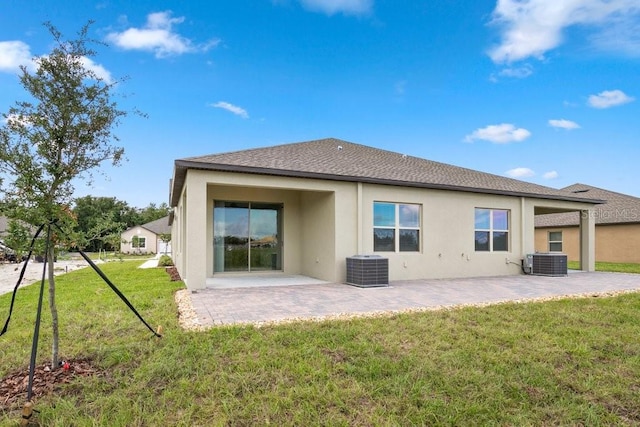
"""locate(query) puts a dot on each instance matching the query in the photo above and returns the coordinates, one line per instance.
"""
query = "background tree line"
(101, 220)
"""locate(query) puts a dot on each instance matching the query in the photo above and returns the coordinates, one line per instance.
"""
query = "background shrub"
(165, 261)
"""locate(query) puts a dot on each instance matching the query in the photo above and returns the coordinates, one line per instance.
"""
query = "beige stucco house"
(4, 225)
(303, 208)
(148, 238)
(617, 227)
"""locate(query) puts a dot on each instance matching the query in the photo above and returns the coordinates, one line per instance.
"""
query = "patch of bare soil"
(13, 388)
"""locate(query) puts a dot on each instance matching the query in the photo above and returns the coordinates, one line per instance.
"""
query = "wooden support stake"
(27, 411)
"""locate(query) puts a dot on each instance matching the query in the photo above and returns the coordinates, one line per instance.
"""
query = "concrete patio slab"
(265, 304)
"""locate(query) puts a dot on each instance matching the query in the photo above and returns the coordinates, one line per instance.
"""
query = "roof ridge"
(286, 144)
(603, 190)
(337, 159)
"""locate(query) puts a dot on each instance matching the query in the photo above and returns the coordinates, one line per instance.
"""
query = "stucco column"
(587, 240)
(359, 220)
(196, 232)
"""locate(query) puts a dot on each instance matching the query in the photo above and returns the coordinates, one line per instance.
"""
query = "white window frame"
(397, 227)
(555, 241)
(491, 230)
(142, 242)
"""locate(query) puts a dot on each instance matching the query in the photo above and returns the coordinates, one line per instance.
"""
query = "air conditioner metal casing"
(366, 271)
(546, 264)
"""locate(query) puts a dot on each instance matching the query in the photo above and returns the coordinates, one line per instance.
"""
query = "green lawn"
(564, 362)
(613, 267)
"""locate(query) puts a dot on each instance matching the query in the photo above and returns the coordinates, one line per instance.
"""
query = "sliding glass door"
(247, 236)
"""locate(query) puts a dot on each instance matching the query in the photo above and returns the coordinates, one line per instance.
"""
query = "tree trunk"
(52, 307)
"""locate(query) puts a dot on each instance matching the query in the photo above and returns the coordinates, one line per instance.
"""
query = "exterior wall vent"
(366, 271)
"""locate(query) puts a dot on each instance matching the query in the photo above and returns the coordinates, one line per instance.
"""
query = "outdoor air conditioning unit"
(545, 264)
(366, 271)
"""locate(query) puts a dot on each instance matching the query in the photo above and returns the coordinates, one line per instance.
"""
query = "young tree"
(18, 238)
(63, 132)
(165, 238)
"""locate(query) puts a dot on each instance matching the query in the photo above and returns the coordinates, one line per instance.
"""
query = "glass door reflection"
(246, 236)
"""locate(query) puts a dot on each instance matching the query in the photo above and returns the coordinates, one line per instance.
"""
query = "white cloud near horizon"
(331, 7)
(238, 111)
(499, 134)
(13, 54)
(533, 27)
(609, 98)
(159, 37)
(563, 124)
(523, 172)
(520, 173)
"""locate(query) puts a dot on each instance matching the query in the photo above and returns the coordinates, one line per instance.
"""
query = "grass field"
(609, 266)
(565, 362)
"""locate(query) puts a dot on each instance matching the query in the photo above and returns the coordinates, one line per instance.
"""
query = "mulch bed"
(173, 272)
(13, 388)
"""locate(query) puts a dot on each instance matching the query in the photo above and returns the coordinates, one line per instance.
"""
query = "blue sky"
(542, 90)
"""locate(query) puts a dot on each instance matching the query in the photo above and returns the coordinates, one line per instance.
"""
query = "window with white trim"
(491, 230)
(396, 227)
(139, 242)
(555, 241)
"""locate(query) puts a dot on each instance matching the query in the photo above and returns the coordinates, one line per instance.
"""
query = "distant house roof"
(338, 160)
(159, 226)
(619, 209)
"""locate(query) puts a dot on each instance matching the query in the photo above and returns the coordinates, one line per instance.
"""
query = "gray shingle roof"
(619, 209)
(159, 226)
(334, 159)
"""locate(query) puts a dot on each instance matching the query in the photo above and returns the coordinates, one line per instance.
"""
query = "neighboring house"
(4, 225)
(148, 238)
(617, 227)
(304, 208)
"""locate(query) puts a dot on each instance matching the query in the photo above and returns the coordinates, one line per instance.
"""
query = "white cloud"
(609, 98)
(550, 175)
(158, 36)
(98, 70)
(13, 54)
(238, 111)
(563, 124)
(517, 72)
(331, 7)
(520, 173)
(16, 119)
(531, 28)
(499, 134)
(16, 53)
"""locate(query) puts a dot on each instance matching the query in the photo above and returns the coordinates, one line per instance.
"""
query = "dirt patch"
(13, 388)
